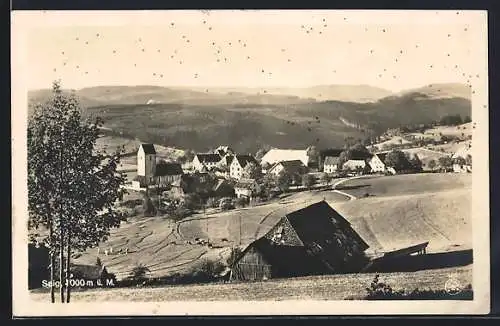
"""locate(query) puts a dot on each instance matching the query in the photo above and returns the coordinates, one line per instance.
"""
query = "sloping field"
(330, 287)
(407, 184)
(163, 247)
(405, 209)
(389, 223)
(408, 209)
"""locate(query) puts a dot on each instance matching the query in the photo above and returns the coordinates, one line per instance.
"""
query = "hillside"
(442, 90)
(200, 121)
(412, 209)
(401, 210)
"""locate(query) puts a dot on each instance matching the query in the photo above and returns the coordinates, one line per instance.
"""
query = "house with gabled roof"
(167, 173)
(205, 160)
(323, 154)
(293, 167)
(246, 188)
(377, 163)
(313, 240)
(330, 164)
(276, 155)
(238, 163)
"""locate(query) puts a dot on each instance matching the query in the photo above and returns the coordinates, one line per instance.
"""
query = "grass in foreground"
(328, 287)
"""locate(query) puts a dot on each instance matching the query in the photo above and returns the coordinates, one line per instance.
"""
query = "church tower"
(146, 162)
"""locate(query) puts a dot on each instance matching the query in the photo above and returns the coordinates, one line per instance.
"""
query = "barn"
(310, 241)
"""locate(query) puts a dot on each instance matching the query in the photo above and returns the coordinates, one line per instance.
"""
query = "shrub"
(241, 202)
(148, 207)
(212, 202)
(180, 212)
(139, 273)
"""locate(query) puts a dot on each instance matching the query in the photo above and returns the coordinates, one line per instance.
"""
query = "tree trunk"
(52, 263)
(68, 262)
(61, 266)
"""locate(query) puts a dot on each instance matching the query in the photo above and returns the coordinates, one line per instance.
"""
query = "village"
(210, 185)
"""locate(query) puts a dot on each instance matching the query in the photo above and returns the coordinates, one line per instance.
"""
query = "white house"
(291, 167)
(354, 165)
(245, 188)
(146, 163)
(203, 162)
(377, 163)
(238, 163)
(330, 164)
(277, 155)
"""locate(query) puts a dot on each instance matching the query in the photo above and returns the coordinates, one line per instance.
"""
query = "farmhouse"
(245, 188)
(330, 164)
(354, 165)
(323, 154)
(205, 161)
(238, 163)
(295, 167)
(310, 241)
(277, 155)
(377, 163)
(187, 184)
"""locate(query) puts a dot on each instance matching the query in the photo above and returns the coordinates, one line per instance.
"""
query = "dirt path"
(339, 182)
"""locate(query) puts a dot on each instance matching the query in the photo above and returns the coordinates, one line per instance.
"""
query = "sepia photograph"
(250, 162)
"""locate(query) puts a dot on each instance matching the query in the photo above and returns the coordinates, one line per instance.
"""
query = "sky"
(391, 50)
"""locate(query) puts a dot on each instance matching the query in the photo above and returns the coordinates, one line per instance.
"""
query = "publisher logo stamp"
(453, 285)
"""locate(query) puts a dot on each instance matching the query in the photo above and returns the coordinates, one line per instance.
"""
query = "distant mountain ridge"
(186, 118)
(111, 95)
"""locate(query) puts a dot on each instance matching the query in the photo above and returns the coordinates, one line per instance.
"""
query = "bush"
(148, 207)
(226, 204)
(241, 202)
(212, 202)
(139, 273)
(180, 212)
(192, 201)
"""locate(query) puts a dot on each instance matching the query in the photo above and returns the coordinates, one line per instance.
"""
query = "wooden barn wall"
(252, 266)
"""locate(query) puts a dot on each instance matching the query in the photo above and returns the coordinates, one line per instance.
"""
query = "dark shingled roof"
(331, 160)
(293, 166)
(228, 159)
(320, 230)
(334, 152)
(382, 156)
(245, 159)
(315, 221)
(167, 168)
(208, 157)
(148, 148)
